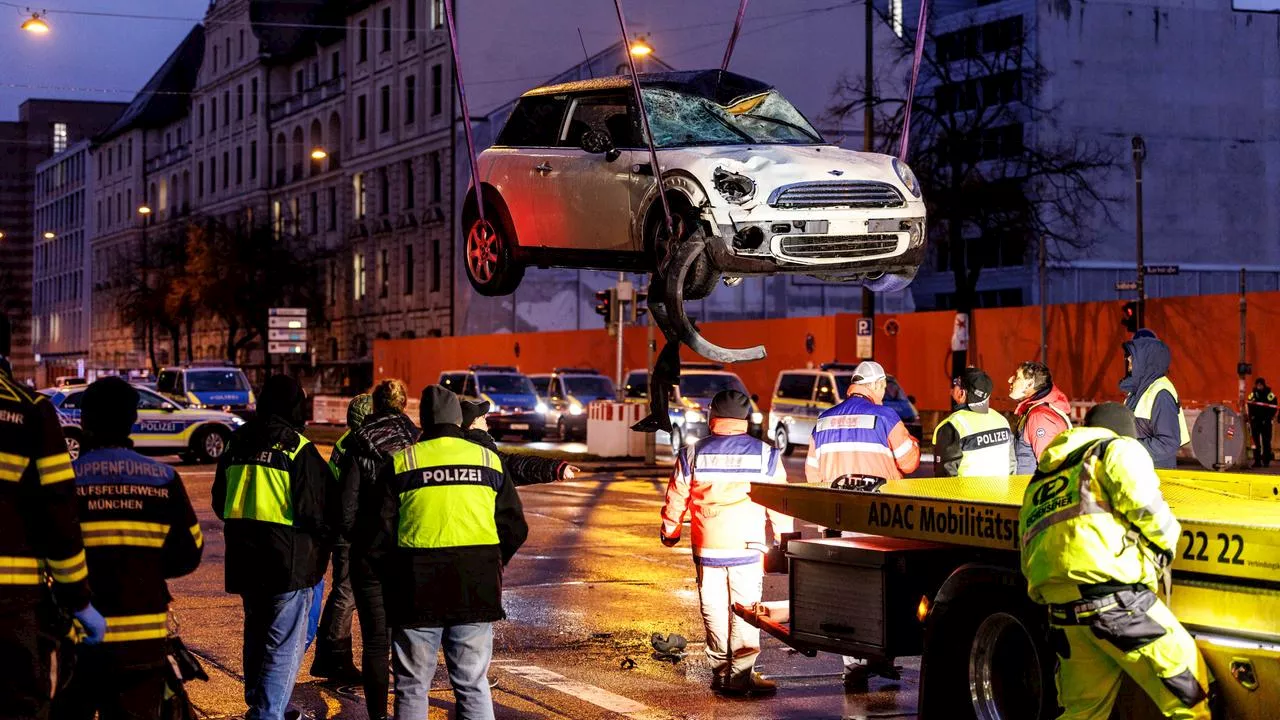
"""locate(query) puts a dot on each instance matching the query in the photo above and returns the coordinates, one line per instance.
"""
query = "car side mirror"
(598, 142)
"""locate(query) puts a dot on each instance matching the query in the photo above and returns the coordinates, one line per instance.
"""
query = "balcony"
(168, 157)
(310, 97)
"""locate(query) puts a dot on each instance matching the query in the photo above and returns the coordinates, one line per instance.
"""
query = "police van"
(801, 395)
(566, 393)
(514, 406)
(215, 385)
(163, 428)
(690, 402)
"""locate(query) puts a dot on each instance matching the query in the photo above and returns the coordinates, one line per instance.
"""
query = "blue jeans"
(275, 635)
(313, 614)
(467, 650)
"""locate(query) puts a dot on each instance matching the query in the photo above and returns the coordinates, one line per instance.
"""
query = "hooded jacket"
(367, 450)
(1161, 433)
(1041, 418)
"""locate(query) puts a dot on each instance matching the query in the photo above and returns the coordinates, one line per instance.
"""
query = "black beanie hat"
(440, 406)
(284, 398)
(472, 409)
(1113, 416)
(731, 404)
(108, 410)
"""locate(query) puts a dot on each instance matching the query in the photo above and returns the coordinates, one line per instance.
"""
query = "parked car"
(163, 428)
(801, 395)
(691, 400)
(569, 183)
(567, 392)
(208, 386)
(514, 407)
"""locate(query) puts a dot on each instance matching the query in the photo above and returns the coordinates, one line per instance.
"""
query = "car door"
(159, 424)
(794, 398)
(588, 198)
(511, 165)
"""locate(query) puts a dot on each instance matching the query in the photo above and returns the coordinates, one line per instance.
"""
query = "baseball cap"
(976, 383)
(867, 372)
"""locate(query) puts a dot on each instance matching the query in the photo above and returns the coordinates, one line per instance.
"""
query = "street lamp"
(49, 235)
(144, 210)
(1, 235)
(641, 47)
(318, 153)
(36, 24)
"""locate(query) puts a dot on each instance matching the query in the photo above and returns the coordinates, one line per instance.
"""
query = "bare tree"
(995, 175)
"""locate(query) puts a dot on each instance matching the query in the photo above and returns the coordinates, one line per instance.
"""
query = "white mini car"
(569, 183)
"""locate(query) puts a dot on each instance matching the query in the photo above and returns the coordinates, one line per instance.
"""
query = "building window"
(384, 273)
(213, 114)
(335, 67)
(410, 100)
(240, 102)
(435, 263)
(363, 41)
(410, 20)
(253, 159)
(384, 124)
(362, 117)
(299, 80)
(215, 58)
(332, 290)
(59, 137)
(408, 269)
(386, 29)
(410, 184)
(295, 215)
(313, 208)
(437, 178)
(199, 124)
(199, 185)
(384, 191)
(213, 174)
(357, 275)
(226, 107)
(129, 160)
(242, 44)
(437, 14)
(358, 196)
(437, 92)
(253, 96)
(226, 169)
(333, 208)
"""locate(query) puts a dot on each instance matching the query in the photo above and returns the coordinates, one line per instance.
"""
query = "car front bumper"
(524, 422)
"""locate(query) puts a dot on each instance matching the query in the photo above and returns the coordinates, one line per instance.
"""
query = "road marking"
(599, 697)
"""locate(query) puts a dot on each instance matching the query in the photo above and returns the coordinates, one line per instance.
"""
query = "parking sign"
(866, 343)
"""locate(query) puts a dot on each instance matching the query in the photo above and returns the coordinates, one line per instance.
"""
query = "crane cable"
(915, 74)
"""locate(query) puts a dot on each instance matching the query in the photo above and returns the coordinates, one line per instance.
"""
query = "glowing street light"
(49, 235)
(641, 48)
(144, 210)
(1, 235)
(36, 24)
(318, 154)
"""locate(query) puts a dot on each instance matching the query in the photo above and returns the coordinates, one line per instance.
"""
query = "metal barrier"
(609, 431)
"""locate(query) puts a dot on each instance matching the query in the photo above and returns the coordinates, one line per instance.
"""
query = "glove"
(669, 542)
(569, 472)
(93, 624)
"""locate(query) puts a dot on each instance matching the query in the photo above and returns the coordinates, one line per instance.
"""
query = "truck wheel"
(781, 442)
(209, 444)
(987, 657)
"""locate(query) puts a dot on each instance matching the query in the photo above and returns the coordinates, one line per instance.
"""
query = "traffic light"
(607, 306)
(639, 306)
(1129, 316)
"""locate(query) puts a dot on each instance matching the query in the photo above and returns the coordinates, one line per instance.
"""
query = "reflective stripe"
(846, 422)
(12, 467)
(102, 533)
(197, 535)
(123, 628)
(902, 449)
(55, 469)
(21, 571)
(261, 492)
(707, 461)
(1147, 402)
(867, 447)
(71, 570)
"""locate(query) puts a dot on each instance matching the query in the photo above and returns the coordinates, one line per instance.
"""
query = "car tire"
(489, 255)
(890, 282)
(75, 441)
(988, 657)
(782, 441)
(209, 443)
(703, 276)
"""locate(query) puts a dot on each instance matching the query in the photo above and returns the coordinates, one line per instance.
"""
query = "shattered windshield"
(685, 119)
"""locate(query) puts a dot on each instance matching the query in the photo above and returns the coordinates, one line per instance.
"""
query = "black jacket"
(522, 469)
(1262, 404)
(271, 558)
(443, 586)
(367, 450)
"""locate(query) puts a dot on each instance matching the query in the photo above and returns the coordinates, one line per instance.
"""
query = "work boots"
(753, 684)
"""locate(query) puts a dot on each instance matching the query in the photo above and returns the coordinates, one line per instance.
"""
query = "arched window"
(317, 142)
(299, 151)
(335, 141)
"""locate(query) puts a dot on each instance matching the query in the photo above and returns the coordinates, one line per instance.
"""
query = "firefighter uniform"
(1096, 536)
(139, 530)
(39, 539)
(985, 443)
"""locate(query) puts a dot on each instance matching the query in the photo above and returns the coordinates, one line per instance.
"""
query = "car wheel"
(782, 442)
(74, 440)
(890, 282)
(209, 444)
(490, 255)
(702, 277)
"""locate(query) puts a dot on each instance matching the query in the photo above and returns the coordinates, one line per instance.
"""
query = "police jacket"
(1093, 516)
(272, 490)
(972, 443)
(39, 530)
(711, 485)
(1040, 418)
(449, 520)
(859, 437)
(1262, 406)
(139, 530)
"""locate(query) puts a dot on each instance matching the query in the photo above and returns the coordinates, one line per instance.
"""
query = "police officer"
(1262, 411)
(1097, 538)
(273, 491)
(38, 528)
(139, 530)
(334, 651)
(1162, 428)
(973, 441)
(448, 522)
(711, 483)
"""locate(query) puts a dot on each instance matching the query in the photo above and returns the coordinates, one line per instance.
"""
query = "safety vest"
(1148, 400)
(985, 439)
(262, 489)
(339, 449)
(448, 488)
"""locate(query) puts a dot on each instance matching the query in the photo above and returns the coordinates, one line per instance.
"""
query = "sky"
(89, 58)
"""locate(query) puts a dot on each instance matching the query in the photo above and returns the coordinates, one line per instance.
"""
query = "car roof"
(68, 389)
(722, 86)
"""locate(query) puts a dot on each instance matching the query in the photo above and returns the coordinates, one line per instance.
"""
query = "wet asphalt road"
(582, 598)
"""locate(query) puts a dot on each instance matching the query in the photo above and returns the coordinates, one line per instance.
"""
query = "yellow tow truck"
(933, 572)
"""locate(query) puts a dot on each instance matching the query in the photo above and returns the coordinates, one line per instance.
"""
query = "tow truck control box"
(859, 595)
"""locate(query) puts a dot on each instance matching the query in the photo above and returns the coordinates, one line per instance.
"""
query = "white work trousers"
(732, 643)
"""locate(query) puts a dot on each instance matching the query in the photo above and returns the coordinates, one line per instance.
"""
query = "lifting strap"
(921, 27)
(733, 38)
(466, 112)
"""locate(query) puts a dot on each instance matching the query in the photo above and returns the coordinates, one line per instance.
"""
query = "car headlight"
(575, 408)
(757, 418)
(693, 416)
(541, 408)
(907, 177)
(733, 187)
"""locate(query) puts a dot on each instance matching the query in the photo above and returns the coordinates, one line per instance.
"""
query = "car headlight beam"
(693, 416)
(907, 177)
(541, 408)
